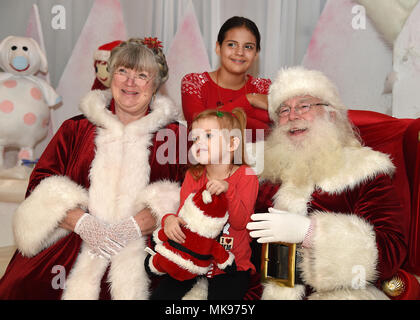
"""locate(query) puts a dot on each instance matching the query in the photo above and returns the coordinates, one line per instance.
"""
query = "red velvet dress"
(70, 153)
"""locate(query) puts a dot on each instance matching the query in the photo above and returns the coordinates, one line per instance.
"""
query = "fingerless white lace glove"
(125, 231)
(279, 226)
(97, 235)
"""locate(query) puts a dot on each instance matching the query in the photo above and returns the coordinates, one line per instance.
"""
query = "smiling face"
(238, 50)
(132, 91)
(303, 112)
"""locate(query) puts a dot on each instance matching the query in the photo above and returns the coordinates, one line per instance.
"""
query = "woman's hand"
(146, 221)
(172, 228)
(258, 100)
(71, 218)
(217, 186)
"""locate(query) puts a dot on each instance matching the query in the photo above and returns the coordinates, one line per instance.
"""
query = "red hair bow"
(152, 43)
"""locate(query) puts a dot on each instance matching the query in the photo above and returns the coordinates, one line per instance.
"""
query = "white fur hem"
(162, 197)
(343, 253)
(272, 291)
(228, 262)
(35, 222)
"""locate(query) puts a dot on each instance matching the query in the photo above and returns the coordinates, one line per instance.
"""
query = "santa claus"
(322, 189)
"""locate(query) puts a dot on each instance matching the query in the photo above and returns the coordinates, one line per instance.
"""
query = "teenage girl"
(230, 86)
(218, 148)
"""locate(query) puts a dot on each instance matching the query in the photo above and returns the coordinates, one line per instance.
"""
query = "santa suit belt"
(196, 255)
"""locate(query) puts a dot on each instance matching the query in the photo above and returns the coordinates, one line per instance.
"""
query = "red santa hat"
(204, 213)
(104, 51)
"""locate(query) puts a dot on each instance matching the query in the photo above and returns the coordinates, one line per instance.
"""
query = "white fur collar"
(360, 165)
(94, 107)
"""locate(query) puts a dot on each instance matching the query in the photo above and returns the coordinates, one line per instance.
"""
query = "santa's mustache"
(299, 124)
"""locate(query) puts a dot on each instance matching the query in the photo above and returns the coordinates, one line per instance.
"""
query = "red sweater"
(200, 92)
(242, 195)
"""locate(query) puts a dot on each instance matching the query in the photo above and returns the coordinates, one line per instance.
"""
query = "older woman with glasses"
(100, 187)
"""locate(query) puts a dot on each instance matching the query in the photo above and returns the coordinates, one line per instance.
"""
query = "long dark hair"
(236, 22)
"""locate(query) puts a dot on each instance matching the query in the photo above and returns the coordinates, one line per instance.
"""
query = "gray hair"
(135, 54)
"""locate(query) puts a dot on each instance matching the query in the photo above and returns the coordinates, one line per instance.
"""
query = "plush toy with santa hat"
(101, 56)
(205, 216)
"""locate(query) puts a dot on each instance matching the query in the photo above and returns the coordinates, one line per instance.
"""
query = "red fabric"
(241, 195)
(69, 153)
(398, 138)
(194, 241)
(397, 228)
(199, 92)
(412, 160)
(374, 201)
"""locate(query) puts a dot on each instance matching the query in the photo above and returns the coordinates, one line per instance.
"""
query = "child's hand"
(217, 186)
(173, 230)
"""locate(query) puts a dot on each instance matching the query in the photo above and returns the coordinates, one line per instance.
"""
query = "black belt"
(196, 255)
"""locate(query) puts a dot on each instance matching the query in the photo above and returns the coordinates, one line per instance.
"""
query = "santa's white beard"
(305, 159)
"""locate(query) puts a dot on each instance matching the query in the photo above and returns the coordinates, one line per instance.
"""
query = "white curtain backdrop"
(286, 26)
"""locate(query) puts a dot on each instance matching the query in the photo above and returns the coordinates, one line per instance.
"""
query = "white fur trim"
(199, 291)
(119, 189)
(198, 222)
(228, 262)
(85, 276)
(35, 222)
(299, 81)
(361, 164)
(180, 261)
(101, 55)
(94, 107)
(127, 275)
(162, 197)
(272, 291)
(369, 293)
(332, 263)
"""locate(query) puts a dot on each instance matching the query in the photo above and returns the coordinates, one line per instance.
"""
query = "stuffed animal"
(24, 98)
(101, 56)
(205, 217)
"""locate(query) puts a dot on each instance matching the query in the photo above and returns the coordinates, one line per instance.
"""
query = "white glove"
(97, 235)
(279, 226)
(125, 231)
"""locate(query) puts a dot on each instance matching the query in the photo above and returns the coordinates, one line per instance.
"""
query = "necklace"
(220, 102)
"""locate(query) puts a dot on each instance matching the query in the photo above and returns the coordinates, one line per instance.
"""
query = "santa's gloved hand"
(279, 226)
(96, 234)
(125, 231)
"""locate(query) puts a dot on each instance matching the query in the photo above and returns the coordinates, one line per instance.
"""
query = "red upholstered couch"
(400, 138)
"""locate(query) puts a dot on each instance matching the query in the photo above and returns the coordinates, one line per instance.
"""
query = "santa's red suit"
(359, 228)
(205, 217)
(113, 170)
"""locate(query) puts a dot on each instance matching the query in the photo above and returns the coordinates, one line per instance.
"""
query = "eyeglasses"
(140, 78)
(284, 111)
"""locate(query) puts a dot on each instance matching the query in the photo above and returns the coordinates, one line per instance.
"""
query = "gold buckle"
(274, 270)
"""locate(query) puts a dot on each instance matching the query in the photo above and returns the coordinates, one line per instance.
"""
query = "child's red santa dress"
(205, 217)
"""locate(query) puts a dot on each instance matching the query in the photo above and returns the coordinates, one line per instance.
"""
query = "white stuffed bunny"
(24, 98)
